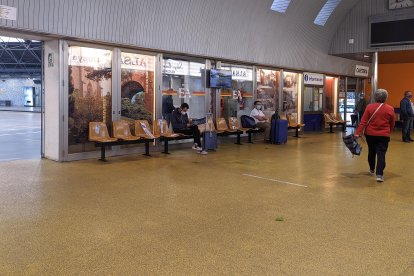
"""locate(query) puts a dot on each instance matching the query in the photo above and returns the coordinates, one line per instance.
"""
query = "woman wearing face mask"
(261, 121)
(181, 124)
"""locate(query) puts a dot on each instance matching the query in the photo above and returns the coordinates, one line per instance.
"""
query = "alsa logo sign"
(313, 79)
(362, 71)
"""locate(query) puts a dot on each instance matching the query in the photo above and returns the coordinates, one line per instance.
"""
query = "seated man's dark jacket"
(406, 109)
(178, 120)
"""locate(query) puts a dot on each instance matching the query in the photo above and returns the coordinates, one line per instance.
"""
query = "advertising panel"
(137, 87)
(89, 95)
(290, 92)
(268, 89)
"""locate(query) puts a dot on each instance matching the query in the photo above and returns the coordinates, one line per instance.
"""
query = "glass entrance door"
(347, 98)
(351, 98)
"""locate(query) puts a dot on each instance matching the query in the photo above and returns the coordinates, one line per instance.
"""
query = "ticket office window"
(313, 99)
(183, 81)
(238, 100)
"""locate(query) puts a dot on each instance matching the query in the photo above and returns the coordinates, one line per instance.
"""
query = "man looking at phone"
(181, 124)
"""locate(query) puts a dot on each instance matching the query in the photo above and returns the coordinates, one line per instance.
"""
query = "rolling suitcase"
(209, 140)
(210, 135)
(279, 132)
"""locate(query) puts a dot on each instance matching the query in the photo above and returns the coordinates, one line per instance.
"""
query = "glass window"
(239, 100)
(280, 5)
(268, 89)
(326, 12)
(183, 81)
(313, 98)
(290, 93)
(90, 94)
(137, 87)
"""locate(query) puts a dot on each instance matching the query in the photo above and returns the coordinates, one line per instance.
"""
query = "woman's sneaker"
(371, 173)
(203, 152)
(380, 178)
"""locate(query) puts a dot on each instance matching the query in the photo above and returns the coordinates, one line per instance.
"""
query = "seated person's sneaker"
(196, 147)
(203, 152)
(380, 178)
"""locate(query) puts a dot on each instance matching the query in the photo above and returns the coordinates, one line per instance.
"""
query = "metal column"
(374, 79)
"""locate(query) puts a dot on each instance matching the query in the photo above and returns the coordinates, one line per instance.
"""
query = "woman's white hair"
(381, 95)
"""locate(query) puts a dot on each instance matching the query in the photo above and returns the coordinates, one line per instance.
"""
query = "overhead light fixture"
(366, 56)
(280, 5)
(326, 12)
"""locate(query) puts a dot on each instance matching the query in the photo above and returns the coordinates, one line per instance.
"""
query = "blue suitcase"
(279, 132)
(209, 140)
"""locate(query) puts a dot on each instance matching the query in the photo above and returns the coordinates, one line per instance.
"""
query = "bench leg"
(331, 128)
(166, 147)
(103, 159)
(297, 133)
(250, 138)
(147, 149)
(344, 127)
(238, 139)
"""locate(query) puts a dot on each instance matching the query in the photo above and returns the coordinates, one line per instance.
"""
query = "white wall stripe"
(241, 30)
(275, 180)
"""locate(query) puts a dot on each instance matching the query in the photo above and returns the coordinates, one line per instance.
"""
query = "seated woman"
(181, 124)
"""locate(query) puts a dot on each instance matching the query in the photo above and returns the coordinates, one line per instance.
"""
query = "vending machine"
(29, 96)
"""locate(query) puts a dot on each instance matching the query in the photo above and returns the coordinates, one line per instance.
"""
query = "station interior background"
(307, 207)
(20, 98)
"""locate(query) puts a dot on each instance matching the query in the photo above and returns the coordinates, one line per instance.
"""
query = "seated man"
(181, 124)
(261, 120)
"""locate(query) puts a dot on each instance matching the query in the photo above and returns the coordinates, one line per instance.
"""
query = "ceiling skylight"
(280, 5)
(326, 12)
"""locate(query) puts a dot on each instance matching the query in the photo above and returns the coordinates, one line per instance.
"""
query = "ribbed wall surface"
(356, 26)
(243, 30)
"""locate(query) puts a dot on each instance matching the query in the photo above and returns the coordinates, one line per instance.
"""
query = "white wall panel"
(356, 26)
(52, 100)
(240, 30)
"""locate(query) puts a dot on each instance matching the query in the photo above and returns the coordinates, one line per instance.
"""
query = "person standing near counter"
(407, 116)
(361, 106)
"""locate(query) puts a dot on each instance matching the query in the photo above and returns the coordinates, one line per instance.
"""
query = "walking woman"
(377, 124)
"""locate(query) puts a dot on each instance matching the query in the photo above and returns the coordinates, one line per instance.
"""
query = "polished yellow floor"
(313, 211)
